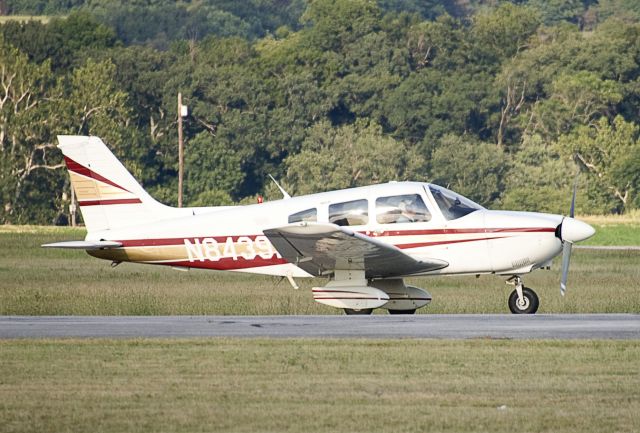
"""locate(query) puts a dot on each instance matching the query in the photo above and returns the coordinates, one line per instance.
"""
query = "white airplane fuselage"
(231, 238)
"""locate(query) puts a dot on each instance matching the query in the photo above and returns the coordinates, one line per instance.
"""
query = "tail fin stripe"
(109, 202)
(87, 172)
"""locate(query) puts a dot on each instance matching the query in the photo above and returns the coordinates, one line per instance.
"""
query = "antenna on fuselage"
(285, 194)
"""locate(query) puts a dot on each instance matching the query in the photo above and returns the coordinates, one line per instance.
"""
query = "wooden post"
(180, 151)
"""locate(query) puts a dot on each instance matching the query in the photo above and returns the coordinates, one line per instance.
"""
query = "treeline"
(159, 22)
(502, 103)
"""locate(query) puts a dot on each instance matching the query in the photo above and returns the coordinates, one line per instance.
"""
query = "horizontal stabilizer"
(84, 245)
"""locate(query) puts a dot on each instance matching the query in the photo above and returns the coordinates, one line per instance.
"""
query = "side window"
(309, 215)
(349, 213)
(401, 209)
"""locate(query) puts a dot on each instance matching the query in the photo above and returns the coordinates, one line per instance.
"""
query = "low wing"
(322, 248)
(84, 245)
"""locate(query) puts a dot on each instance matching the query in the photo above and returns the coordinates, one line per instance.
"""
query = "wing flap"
(83, 245)
(320, 249)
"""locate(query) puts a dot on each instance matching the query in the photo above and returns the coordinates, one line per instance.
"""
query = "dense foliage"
(500, 101)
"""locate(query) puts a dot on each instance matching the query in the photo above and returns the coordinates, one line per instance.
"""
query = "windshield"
(452, 205)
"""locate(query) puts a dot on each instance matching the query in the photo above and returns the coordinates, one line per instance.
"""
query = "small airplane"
(364, 240)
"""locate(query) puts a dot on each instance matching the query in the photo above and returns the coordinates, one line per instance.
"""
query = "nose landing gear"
(522, 300)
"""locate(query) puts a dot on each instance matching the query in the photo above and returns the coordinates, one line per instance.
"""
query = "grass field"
(244, 385)
(286, 385)
(36, 281)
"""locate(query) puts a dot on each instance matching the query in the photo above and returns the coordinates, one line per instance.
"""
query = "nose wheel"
(522, 300)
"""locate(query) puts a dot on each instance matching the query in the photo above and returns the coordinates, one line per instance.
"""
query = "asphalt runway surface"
(460, 326)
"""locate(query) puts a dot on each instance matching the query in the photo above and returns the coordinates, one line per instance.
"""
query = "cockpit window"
(407, 208)
(349, 213)
(452, 205)
(309, 215)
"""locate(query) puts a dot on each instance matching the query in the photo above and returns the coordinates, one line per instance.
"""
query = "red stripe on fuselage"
(109, 202)
(460, 231)
(85, 171)
(180, 241)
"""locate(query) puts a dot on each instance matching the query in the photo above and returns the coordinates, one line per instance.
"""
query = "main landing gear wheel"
(402, 311)
(362, 312)
(529, 304)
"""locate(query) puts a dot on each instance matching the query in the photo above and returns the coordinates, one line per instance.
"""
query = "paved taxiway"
(552, 326)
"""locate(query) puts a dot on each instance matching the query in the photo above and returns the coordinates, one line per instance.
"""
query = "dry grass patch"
(631, 217)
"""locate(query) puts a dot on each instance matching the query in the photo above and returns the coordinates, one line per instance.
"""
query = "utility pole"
(180, 151)
(72, 207)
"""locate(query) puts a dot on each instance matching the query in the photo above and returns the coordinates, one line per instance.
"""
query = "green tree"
(555, 11)
(96, 106)
(431, 103)
(576, 99)
(604, 150)
(540, 179)
(428, 9)
(212, 171)
(349, 156)
(501, 33)
(622, 9)
(80, 31)
(28, 111)
(65, 42)
(335, 23)
(473, 169)
(439, 44)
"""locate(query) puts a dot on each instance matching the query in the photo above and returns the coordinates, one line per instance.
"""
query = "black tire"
(531, 302)
(402, 311)
(363, 312)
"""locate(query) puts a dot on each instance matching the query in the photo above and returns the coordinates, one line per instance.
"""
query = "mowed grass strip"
(615, 235)
(321, 386)
(44, 19)
(37, 281)
(614, 230)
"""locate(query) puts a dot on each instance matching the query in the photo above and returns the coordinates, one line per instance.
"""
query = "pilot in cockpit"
(408, 211)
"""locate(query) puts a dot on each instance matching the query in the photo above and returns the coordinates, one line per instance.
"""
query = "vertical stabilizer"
(108, 195)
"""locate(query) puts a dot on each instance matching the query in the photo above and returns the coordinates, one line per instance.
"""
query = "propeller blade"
(566, 258)
(573, 199)
(567, 244)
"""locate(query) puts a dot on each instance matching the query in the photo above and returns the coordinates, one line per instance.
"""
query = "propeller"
(567, 244)
(570, 232)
